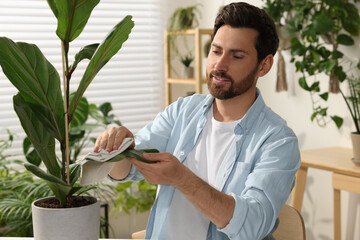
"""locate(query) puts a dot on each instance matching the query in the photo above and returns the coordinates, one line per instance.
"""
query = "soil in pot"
(71, 202)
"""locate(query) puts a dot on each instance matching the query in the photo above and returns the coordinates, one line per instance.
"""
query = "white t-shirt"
(184, 221)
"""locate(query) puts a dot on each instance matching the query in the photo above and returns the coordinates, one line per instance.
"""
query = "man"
(227, 163)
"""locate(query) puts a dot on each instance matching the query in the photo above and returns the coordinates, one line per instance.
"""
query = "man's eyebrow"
(232, 50)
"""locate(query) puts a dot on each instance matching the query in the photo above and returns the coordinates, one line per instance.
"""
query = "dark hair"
(244, 15)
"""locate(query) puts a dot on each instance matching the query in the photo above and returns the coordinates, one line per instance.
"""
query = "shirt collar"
(251, 115)
(254, 112)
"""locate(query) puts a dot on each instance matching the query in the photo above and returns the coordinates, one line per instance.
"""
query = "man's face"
(232, 65)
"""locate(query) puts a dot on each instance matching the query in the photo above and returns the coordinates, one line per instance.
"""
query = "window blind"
(131, 81)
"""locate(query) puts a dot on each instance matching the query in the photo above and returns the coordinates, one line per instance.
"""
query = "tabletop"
(334, 159)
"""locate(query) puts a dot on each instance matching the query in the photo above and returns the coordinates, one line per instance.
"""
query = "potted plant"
(353, 104)
(185, 18)
(45, 114)
(186, 61)
(320, 29)
(182, 18)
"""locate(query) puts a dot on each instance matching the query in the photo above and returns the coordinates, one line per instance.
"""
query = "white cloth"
(95, 166)
(184, 221)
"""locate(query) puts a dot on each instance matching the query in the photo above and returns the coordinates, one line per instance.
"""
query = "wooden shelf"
(198, 79)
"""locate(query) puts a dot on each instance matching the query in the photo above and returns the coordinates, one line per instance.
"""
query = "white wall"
(296, 110)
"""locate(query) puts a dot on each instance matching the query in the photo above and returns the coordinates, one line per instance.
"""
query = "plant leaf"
(72, 17)
(135, 153)
(103, 54)
(30, 153)
(325, 96)
(60, 189)
(81, 112)
(323, 23)
(345, 40)
(337, 120)
(52, 5)
(338, 71)
(43, 142)
(85, 53)
(303, 84)
(42, 174)
(105, 108)
(37, 81)
(75, 174)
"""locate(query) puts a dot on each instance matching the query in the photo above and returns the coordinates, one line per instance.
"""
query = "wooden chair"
(291, 225)
(139, 235)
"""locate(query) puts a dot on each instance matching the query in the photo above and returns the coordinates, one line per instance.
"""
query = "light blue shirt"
(258, 170)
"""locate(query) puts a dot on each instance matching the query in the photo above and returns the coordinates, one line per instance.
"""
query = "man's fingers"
(157, 156)
(97, 144)
(112, 138)
(118, 139)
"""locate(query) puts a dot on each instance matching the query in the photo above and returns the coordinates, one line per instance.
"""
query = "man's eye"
(238, 57)
(216, 52)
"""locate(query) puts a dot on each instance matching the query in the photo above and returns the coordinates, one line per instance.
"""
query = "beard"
(235, 88)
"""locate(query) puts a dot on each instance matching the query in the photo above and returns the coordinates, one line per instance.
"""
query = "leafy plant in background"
(187, 60)
(139, 195)
(185, 18)
(319, 28)
(182, 18)
(43, 112)
(353, 100)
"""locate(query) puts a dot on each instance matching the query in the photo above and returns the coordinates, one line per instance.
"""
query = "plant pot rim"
(62, 209)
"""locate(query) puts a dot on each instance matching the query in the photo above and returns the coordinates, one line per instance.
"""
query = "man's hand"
(166, 171)
(112, 138)
(218, 207)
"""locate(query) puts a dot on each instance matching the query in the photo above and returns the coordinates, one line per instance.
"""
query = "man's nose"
(222, 64)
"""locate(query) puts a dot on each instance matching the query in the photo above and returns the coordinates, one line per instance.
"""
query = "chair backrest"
(139, 235)
(291, 225)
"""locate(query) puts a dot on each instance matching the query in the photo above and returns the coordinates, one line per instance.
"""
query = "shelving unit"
(198, 79)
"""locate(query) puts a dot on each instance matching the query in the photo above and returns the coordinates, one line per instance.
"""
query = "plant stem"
(64, 64)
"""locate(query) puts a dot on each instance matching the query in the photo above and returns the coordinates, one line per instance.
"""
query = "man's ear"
(265, 65)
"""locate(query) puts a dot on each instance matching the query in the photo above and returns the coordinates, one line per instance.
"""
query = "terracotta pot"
(80, 223)
(355, 139)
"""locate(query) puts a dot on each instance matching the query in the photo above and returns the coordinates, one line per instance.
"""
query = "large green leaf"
(30, 152)
(41, 139)
(72, 17)
(52, 5)
(60, 189)
(37, 81)
(135, 153)
(103, 54)
(81, 113)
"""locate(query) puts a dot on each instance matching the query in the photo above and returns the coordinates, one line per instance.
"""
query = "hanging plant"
(319, 28)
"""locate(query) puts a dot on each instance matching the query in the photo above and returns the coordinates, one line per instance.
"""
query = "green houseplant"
(45, 114)
(185, 18)
(320, 31)
(186, 61)
(182, 18)
(18, 189)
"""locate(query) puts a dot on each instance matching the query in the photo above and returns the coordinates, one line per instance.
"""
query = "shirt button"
(182, 153)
